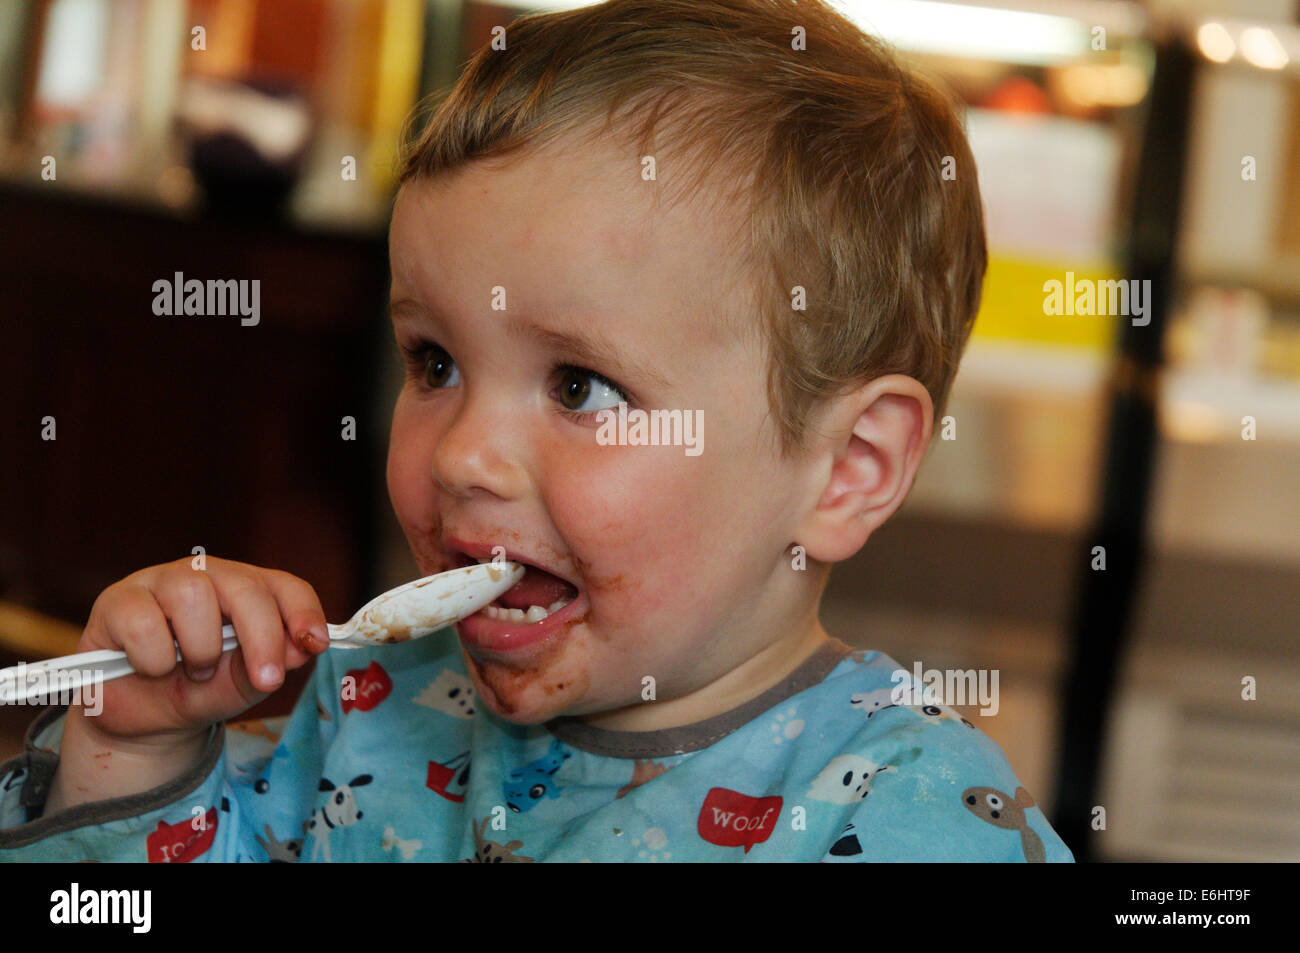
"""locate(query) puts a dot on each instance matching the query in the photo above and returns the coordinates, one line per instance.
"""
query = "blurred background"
(255, 139)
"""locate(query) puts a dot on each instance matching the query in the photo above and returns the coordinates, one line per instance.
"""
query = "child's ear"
(876, 436)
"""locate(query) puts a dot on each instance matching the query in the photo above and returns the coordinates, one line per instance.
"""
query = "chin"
(528, 696)
(522, 718)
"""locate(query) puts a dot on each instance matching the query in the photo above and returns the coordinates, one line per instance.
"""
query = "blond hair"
(856, 179)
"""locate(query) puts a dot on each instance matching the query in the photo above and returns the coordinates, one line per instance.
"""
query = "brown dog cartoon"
(280, 852)
(1008, 813)
(490, 852)
(642, 771)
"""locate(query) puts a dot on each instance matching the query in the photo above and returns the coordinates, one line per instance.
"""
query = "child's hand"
(169, 701)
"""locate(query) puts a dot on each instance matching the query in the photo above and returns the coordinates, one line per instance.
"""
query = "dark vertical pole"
(1102, 614)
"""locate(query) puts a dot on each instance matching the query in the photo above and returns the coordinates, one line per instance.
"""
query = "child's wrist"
(97, 766)
(159, 743)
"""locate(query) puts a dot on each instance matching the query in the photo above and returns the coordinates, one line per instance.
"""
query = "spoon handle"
(409, 611)
(24, 682)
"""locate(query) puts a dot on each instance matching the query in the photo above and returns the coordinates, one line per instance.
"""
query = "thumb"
(228, 693)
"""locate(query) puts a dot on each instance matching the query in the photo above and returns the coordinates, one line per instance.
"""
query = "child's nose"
(481, 450)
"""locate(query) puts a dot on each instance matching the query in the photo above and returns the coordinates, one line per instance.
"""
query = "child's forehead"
(528, 213)
(577, 223)
(620, 188)
(588, 237)
(559, 261)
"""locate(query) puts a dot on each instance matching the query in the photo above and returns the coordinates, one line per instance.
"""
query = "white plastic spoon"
(410, 611)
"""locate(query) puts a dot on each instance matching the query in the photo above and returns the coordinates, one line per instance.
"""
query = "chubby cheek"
(411, 490)
(638, 524)
(615, 522)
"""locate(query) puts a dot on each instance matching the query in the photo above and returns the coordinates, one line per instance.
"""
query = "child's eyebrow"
(402, 307)
(589, 349)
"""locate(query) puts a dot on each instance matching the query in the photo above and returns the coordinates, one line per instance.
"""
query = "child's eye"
(581, 392)
(431, 365)
(584, 392)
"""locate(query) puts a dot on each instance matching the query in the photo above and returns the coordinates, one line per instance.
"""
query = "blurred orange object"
(1019, 95)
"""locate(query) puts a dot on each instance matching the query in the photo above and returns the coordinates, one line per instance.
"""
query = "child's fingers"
(129, 617)
(249, 692)
(302, 613)
(247, 601)
(188, 599)
(205, 707)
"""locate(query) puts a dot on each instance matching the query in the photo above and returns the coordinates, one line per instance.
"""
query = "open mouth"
(534, 598)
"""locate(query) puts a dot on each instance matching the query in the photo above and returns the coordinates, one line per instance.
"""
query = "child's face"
(679, 560)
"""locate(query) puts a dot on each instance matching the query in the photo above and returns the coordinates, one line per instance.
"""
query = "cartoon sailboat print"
(450, 779)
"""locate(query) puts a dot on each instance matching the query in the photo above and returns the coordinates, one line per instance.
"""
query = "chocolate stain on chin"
(509, 683)
(503, 684)
(506, 686)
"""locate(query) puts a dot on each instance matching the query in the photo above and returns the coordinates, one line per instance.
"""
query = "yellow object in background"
(1012, 306)
(397, 82)
(30, 635)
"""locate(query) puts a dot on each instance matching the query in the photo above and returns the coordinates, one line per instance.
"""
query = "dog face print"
(846, 779)
(450, 693)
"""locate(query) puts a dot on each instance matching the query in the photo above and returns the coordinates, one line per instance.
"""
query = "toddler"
(740, 214)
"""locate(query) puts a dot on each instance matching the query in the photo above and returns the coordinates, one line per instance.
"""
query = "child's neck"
(747, 681)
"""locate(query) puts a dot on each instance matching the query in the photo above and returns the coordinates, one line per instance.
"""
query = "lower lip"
(505, 639)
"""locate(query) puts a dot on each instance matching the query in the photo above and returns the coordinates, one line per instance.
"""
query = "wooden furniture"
(174, 432)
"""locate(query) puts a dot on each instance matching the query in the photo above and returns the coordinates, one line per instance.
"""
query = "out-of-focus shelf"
(1023, 441)
(1195, 407)
(312, 209)
(1009, 368)
(1201, 408)
(129, 192)
(1278, 279)
(1029, 424)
